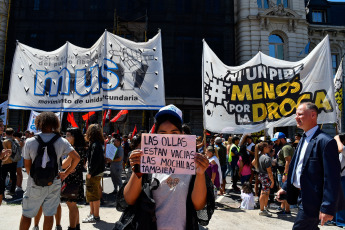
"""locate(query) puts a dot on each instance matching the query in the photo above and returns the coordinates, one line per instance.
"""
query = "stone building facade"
(288, 29)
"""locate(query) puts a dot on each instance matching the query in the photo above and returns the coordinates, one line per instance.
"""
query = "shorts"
(20, 163)
(280, 179)
(92, 188)
(265, 182)
(36, 196)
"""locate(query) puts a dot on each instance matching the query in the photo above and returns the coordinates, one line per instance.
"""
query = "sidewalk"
(226, 216)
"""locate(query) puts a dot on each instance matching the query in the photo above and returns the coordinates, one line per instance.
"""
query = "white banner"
(33, 115)
(114, 73)
(3, 112)
(264, 92)
(338, 88)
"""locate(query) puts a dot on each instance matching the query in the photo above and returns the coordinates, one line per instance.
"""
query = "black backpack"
(45, 176)
(16, 151)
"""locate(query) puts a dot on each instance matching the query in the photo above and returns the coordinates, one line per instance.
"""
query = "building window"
(334, 63)
(37, 5)
(212, 6)
(276, 46)
(319, 16)
(284, 2)
(263, 4)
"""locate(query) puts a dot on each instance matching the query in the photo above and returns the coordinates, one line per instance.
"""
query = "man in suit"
(314, 173)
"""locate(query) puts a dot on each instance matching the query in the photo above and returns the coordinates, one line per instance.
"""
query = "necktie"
(297, 156)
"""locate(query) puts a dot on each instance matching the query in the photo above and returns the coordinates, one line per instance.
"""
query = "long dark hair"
(167, 117)
(79, 141)
(244, 155)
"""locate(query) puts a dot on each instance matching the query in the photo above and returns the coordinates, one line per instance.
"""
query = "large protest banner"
(114, 73)
(338, 88)
(264, 92)
(168, 153)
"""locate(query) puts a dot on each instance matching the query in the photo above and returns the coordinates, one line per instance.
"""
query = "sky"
(336, 0)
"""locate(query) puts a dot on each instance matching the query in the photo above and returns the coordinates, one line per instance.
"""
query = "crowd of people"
(253, 165)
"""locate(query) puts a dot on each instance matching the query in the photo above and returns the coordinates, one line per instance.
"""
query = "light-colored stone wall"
(254, 25)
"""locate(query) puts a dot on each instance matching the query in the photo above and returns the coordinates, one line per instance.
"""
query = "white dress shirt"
(296, 178)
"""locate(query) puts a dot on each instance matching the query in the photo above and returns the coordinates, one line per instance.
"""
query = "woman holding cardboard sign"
(166, 201)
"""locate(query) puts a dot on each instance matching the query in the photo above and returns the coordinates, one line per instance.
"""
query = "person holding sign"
(116, 165)
(172, 201)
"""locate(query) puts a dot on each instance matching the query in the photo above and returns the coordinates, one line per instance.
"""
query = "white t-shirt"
(171, 199)
(342, 161)
(247, 201)
(61, 145)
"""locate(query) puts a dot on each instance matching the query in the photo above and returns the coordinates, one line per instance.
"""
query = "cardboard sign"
(168, 153)
(110, 151)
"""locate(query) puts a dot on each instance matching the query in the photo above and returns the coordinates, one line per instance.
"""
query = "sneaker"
(279, 209)
(265, 213)
(266, 208)
(35, 228)
(283, 212)
(97, 218)
(18, 189)
(89, 219)
(58, 227)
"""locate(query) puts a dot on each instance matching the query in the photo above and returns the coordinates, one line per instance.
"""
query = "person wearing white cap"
(172, 201)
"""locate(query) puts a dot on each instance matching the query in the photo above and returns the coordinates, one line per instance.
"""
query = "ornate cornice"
(279, 11)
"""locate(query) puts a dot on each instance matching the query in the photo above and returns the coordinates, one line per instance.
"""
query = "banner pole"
(22, 121)
(8, 111)
(102, 120)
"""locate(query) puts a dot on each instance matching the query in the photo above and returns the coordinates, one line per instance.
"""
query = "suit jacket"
(320, 177)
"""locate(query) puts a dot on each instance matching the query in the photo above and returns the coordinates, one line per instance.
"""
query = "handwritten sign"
(168, 153)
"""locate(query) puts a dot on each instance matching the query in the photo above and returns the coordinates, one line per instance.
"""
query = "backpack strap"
(39, 139)
(57, 136)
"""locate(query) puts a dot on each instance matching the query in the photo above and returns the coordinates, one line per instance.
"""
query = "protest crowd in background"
(255, 166)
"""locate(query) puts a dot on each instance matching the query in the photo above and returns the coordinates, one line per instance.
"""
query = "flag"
(88, 115)
(106, 116)
(71, 120)
(135, 131)
(338, 89)
(305, 50)
(121, 116)
(153, 128)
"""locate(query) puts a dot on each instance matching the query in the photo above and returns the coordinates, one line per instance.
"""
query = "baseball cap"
(210, 148)
(170, 109)
(218, 140)
(278, 135)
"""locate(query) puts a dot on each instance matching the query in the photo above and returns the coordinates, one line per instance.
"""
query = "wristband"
(285, 174)
(136, 170)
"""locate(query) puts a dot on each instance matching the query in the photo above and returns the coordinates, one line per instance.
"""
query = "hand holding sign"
(169, 154)
(201, 163)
